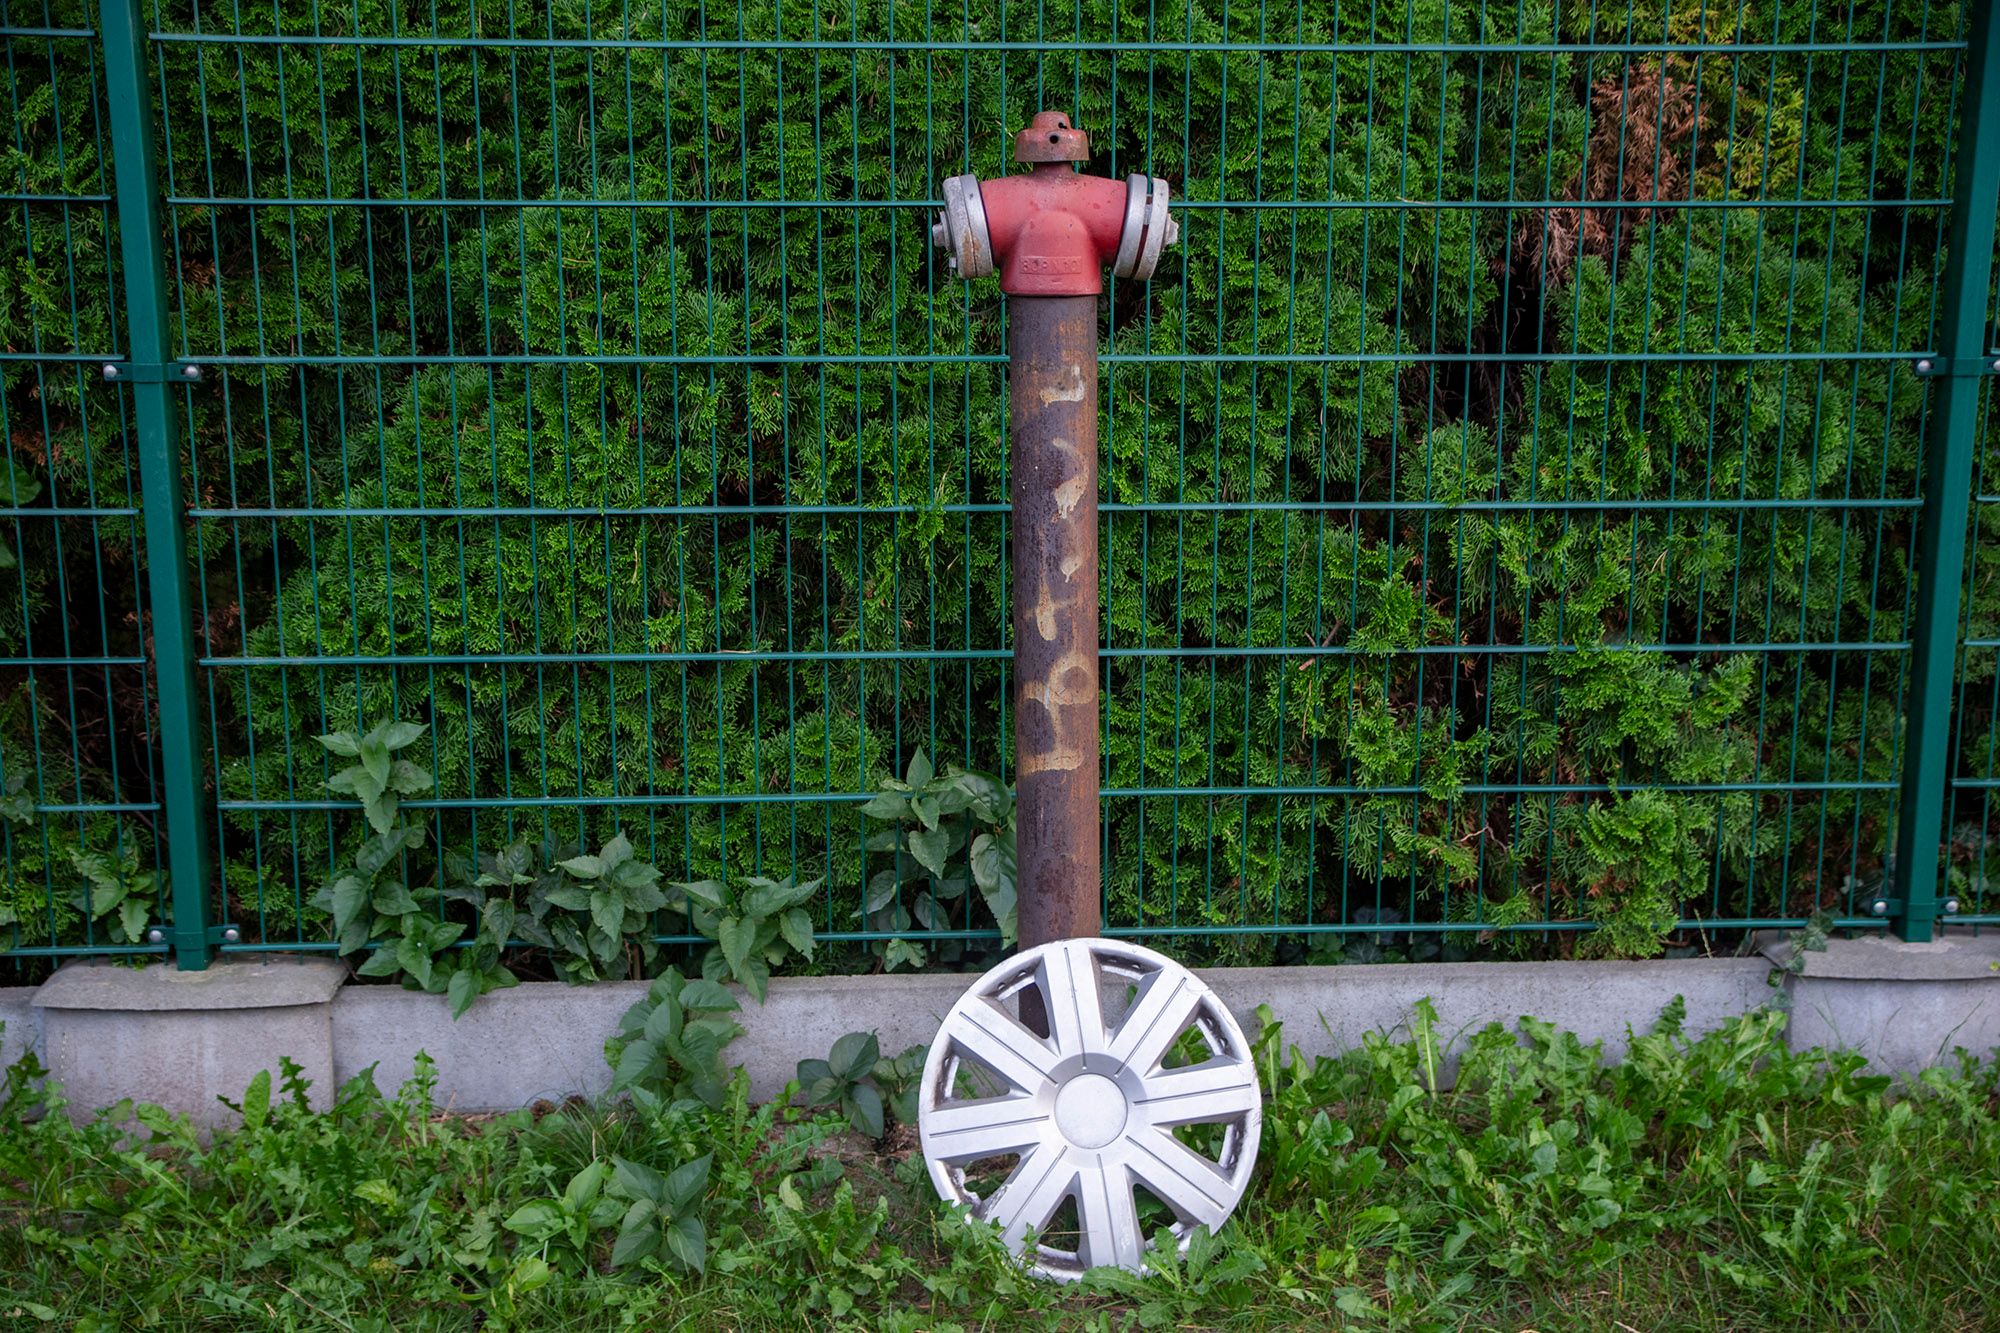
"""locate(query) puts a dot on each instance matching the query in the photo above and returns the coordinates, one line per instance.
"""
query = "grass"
(1719, 1182)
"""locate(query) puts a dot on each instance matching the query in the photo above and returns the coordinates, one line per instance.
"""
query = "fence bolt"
(110, 371)
(1950, 907)
(231, 935)
(1050, 232)
(156, 936)
(1924, 366)
(1880, 907)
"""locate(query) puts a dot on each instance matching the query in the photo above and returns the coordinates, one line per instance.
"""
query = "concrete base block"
(1904, 1006)
(1327, 1010)
(184, 1039)
(20, 1025)
(541, 1040)
(544, 1041)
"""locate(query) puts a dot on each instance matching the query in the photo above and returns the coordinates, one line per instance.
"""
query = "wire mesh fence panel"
(1510, 483)
(80, 870)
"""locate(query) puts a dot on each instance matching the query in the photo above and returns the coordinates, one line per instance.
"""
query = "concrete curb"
(183, 1040)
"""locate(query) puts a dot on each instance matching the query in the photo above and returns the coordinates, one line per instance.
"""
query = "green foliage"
(1713, 1181)
(756, 924)
(544, 504)
(858, 1080)
(949, 830)
(669, 1045)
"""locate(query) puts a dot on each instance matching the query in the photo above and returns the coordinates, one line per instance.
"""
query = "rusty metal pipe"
(1050, 233)
(1052, 393)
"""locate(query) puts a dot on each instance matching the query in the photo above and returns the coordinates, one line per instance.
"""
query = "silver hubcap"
(1072, 1077)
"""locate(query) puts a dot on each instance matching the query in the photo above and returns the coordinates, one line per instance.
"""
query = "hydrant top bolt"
(1051, 138)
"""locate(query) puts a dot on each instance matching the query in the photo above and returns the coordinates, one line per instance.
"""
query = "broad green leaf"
(930, 846)
(797, 927)
(636, 1180)
(864, 1109)
(583, 867)
(408, 779)
(993, 872)
(887, 805)
(756, 978)
(688, 1241)
(257, 1101)
(706, 891)
(396, 735)
(644, 898)
(381, 811)
(341, 743)
(664, 1023)
(736, 937)
(538, 1220)
(688, 1181)
(638, 1235)
(380, 851)
(629, 874)
(350, 895)
(854, 1055)
(765, 899)
(393, 899)
(616, 852)
(375, 758)
(920, 769)
(496, 921)
(463, 990)
(412, 953)
(633, 1063)
(584, 1185)
(881, 891)
(707, 996)
(381, 963)
(925, 808)
(607, 912)
(572, 897)
(132, 914)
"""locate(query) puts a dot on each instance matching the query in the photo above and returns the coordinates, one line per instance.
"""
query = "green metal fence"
(1535, 493)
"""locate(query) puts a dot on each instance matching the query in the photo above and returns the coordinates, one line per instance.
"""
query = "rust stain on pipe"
(1052, 346)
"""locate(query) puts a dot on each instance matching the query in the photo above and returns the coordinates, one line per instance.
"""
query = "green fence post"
(147, 372)
(1948, 463)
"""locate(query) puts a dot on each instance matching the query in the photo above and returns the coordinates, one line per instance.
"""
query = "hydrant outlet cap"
(1051, 138)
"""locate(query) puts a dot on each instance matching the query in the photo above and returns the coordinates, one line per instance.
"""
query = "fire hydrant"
(1050, 233)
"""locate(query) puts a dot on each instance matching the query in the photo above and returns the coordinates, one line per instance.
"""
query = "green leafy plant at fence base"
(1712, 1181)
(948, 831)
(669, 1046)
(110, 883)
(755, 922)
(855, 1078)
(594, 913)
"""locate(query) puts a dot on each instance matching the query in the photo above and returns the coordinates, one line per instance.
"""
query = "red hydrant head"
(1051, 231)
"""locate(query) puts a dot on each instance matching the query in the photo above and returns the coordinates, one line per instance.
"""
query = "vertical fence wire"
(1511, 484)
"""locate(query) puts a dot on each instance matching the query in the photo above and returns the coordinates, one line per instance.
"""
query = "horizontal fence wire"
(1510, 482)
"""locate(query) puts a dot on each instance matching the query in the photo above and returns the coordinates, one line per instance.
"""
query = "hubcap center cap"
(1090, 1111)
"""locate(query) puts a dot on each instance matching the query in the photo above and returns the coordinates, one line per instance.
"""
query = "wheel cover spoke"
(1089, 1110)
